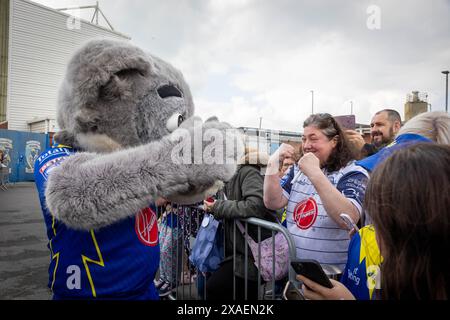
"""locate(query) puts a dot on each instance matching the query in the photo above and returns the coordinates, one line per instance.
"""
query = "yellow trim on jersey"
(56, 265)
(283, 216)
(100, 262)
(369, 250)
(63, 146)
(53, 225)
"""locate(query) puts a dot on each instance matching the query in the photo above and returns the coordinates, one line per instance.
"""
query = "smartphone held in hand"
(312, 270)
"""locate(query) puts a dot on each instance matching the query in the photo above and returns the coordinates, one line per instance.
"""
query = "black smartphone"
(312, 270)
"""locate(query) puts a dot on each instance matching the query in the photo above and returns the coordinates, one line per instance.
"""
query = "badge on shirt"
(305, 213)
(146, 227)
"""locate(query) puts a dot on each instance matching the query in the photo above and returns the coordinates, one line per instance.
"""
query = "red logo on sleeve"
(147, 227)
(305, 213)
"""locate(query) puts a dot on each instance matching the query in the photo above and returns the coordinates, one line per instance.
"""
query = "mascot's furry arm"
(114, 105)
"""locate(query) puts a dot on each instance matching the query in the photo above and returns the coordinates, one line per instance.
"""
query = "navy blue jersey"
(115, 262)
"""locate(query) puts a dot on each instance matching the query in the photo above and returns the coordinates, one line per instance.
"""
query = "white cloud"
(246, 59)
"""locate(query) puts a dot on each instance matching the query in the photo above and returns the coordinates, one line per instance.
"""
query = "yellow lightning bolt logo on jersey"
(87, 260)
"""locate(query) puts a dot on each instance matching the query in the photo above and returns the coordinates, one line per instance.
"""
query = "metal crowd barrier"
(4, 177)
(187, 287)
(187, 223)
(273, 227)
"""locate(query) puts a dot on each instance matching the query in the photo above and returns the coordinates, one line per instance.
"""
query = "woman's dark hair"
(343, 153)
(408, 197)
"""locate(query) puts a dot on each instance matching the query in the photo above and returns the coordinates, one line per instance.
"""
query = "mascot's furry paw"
(206, 155)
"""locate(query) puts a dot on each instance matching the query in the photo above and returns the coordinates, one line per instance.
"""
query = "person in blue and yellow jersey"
(362, 272)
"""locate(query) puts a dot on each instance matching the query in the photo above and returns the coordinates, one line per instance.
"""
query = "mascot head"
(114, 95)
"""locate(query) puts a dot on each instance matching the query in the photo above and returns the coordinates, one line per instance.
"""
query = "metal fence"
(4, 177)
(273, 227)
(187, 283)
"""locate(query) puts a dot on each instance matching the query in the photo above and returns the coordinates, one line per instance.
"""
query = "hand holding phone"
(312, 270)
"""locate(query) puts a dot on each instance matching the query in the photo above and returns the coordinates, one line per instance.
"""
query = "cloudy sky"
(246, 59)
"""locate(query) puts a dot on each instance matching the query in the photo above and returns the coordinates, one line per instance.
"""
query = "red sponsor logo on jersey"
(147, 227)
(305, 213)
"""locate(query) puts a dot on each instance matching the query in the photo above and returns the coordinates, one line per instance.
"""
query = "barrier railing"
(273, 227)
(187, 282)
(179, 273)
(4, 177)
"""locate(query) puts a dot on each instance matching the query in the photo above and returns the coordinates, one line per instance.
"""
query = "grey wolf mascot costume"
(123, 115)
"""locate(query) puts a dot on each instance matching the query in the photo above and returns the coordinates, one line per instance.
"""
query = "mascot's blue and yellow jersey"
(115, 262)
(362, 272)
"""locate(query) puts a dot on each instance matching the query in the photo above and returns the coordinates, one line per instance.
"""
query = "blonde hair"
(433, 125)
(254, 156)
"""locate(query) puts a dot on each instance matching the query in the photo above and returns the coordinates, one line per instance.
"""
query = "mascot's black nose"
(168, 90)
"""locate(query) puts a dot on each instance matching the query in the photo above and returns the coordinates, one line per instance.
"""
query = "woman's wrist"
(315, 175)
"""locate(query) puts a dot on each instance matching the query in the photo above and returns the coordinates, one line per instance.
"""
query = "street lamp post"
(351, 107)
(428, 104)
(312, 101)
(446, 89)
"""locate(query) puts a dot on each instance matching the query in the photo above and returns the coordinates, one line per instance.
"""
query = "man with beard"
(384, 127)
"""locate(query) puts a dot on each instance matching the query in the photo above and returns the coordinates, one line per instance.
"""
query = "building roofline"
(39, 119)
(81, 19)
(287, 133)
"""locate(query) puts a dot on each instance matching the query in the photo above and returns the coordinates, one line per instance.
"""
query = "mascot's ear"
(104, 69)
(120, 85)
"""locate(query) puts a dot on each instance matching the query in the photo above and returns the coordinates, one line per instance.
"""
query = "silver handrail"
(275, 227)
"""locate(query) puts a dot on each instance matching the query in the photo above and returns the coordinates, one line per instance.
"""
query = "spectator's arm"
(333, 200)
(348, 200)
(274, 198)
(273, 193)
(251, 205)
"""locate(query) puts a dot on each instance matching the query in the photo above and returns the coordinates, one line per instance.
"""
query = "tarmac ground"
(24, 256)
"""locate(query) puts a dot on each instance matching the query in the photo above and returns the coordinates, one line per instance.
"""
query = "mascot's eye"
(167, 91)
(174, 122)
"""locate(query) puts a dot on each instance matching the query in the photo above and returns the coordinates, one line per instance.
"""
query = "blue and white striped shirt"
(316, 235)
